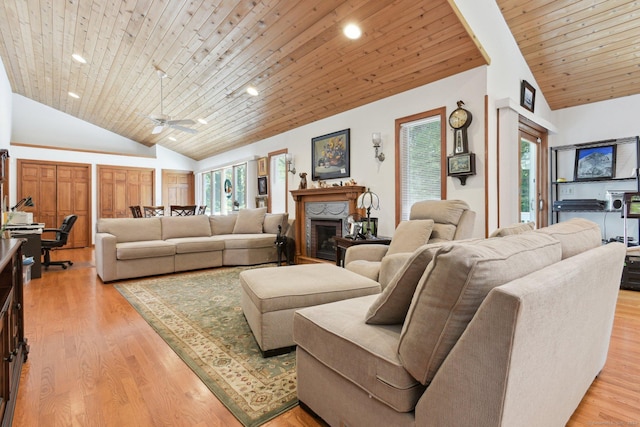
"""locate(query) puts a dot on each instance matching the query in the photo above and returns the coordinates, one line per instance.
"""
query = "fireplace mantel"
(348, 193)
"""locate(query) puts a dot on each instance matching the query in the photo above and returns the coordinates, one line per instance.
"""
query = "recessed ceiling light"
(79, 58)
(352, 31)
(202, 121)
(172, 138)
(74, 95)
(252, 91)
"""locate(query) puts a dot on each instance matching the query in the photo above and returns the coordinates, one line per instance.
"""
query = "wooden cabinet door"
(58, 190)
(39, 181)
(121, 187)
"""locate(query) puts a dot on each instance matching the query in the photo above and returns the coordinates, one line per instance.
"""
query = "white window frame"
(404, 196)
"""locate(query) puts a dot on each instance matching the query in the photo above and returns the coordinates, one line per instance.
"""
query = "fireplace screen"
(323, 233)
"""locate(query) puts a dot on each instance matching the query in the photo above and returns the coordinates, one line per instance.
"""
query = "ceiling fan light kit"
(163, 121)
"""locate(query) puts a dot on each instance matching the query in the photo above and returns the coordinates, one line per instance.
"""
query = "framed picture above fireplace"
(330, 156)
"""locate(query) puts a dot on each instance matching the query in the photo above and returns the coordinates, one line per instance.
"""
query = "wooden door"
(178, 187)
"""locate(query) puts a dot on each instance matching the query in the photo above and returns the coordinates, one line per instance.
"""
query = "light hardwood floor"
(95, 362)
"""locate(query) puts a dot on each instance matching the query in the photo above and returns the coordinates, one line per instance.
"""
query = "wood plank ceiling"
(292, 51)
(579, 51)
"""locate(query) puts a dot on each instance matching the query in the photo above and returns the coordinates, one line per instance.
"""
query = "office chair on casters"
(62, 234)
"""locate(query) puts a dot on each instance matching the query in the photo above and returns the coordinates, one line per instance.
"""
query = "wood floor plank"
(95, 361)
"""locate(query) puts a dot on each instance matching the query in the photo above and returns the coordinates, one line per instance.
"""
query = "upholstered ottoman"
(270, 296)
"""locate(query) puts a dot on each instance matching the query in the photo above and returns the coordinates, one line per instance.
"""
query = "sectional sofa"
(137, 247)
(507, 331)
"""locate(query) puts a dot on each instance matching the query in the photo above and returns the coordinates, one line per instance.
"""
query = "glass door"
(529, 194)
(533, 174)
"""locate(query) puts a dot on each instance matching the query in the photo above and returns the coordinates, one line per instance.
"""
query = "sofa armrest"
(106, 257)
(365, 252)
(536, 342)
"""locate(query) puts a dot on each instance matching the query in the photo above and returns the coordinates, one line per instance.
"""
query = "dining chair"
(187, 210)
(150, 211)
(136, 211)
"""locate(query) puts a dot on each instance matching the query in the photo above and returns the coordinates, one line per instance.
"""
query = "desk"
(31, 233)
(342, 243)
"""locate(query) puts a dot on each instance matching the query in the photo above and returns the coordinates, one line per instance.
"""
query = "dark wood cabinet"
(13, 344)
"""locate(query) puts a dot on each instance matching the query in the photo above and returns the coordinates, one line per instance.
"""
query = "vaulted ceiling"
(579, 51)
(293, 52)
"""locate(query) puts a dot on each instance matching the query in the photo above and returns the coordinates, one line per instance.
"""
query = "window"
(225, 190)
(421, 153)
(278, 181)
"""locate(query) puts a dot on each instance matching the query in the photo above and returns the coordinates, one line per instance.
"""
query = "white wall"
(36, 123)
(380, 117)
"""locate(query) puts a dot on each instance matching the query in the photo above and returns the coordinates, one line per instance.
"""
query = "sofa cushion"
(576, 235)
(454, 285)
(366, 355)
(249, 221)
(410, 235)
(249, 241)
(222, 224)
(187, 245)
(272, 221)
(144, 249)
(131, 229)
(517, 228)
(185, 226)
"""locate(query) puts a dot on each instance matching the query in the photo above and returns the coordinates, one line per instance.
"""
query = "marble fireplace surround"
(321, 203)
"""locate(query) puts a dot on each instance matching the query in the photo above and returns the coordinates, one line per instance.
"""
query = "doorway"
(533, 170)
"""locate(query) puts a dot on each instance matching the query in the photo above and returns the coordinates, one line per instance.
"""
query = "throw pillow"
(391, 306)
(250, 221)
(272, 221)
(410, 235)
(454, 285)
(222, 224)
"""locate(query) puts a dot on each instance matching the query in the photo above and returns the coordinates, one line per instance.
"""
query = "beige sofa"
(136, 247)
(507, 331)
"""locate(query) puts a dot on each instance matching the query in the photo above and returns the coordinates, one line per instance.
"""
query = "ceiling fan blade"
(184, 129)
(157, 129)
(181, 122)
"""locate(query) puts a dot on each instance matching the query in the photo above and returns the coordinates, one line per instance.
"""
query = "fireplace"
(322, 242)
(330, 206)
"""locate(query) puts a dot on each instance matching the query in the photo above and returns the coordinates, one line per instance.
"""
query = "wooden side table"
(342, 243)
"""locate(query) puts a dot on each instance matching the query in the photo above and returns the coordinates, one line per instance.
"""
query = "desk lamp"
(27, 201)
(368, 200)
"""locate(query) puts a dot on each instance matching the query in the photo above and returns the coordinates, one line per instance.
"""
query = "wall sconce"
(377, 139)
(290, 166)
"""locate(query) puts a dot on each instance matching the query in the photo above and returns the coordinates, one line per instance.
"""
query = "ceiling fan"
(162, 121)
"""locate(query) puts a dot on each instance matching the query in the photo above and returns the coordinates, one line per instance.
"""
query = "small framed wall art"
(527, 96)
(262, 185)
(262, 166)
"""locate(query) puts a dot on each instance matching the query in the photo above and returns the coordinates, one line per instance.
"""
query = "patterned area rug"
(199, 316)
